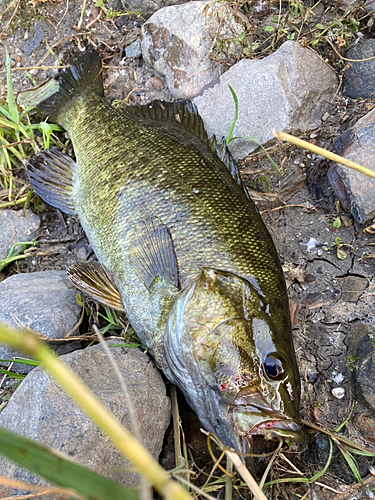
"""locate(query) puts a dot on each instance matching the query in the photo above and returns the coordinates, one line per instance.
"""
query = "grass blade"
(60, 470)
(274, 166)
(228, 139)
(12, 374)
(351, 463)
(21, 361)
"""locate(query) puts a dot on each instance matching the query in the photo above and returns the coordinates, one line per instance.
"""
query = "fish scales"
(197, 271)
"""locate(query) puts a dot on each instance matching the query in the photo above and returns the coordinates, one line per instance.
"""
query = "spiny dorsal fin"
(51, 176)
(182, 121)
(94, 279)
(152, 253)
(225, 156)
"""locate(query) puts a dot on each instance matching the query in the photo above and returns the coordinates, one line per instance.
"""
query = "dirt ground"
(331, 286)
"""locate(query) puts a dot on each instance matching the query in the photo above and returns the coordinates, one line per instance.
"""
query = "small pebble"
(338, 392)
(154, 83)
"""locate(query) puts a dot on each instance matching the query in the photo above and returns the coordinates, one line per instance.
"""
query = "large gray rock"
(355, 190)
(40, 410)
(177, 41)
(359, 78)
(16, 227)
(290, 89)
(43, 301)
(144, 7)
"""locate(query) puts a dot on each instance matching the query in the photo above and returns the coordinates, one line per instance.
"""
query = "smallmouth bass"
(182, 250)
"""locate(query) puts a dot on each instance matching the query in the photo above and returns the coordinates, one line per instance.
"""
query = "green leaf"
(269, 28)
(59, 469)
(337, 223)
(351, 462)
(319, 26)
(30, 362)
(12, 374)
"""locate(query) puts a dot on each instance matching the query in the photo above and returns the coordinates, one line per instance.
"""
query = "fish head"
(235, 364)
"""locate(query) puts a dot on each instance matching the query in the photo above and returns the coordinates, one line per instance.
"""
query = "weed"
(112, 14)
(17, 136)
(337, 223)
(351, 362)
(18, 251)
(342, 249)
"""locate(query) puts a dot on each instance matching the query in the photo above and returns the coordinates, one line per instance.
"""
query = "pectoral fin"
(51, 176)
(94, 279)
(152, 253)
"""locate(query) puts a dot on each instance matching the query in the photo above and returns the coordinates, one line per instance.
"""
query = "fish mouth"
(251, 415)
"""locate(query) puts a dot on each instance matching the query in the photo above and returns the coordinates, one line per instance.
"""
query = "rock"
(360, 77)
(15, 227)
(43, 301)
(361, 349)
(134, 49)
(40, 410)
(369, 5)
(290, 89)
(154, 83)
(43, 29)
(177, 41)
(145, 7)
(354, 189)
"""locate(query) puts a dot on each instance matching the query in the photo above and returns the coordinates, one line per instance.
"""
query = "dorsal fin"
(182, 121)
(226, 157)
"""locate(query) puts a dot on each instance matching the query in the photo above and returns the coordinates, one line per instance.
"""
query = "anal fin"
(51, 176)
(152, 253)
(94, 279)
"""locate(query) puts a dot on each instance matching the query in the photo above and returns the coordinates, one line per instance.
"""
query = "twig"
(79, 25)
(323, 152)
(20, 485)
(287, 206)
(345, 58)
(76, 325)
(246, 476)
(94, 20)
(11, 19)
(228, 480)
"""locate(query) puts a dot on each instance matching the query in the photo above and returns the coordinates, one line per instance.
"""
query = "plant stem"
(323, 152)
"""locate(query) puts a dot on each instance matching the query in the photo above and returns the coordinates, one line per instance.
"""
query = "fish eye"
(273, 368)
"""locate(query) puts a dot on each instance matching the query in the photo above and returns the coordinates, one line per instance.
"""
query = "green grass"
(19, 138)
(17, 252)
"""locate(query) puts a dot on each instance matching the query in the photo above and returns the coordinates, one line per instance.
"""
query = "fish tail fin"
(84, 73)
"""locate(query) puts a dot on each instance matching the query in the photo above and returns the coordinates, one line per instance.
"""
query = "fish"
(181, 249)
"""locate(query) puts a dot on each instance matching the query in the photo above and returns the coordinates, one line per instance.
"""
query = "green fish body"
(196, 269)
